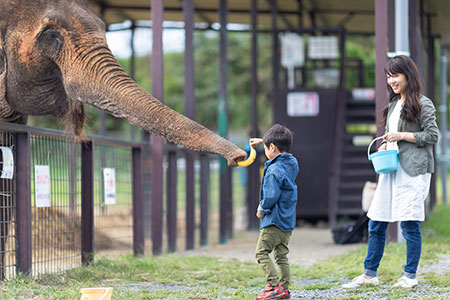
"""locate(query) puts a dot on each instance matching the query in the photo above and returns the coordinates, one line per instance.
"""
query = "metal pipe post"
(443, 112)
(223, 120)
(401, 27)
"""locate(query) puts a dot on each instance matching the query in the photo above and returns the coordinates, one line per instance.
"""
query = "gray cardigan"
(417, 158)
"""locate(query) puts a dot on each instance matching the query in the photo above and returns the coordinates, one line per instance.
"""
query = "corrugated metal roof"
(357, 16)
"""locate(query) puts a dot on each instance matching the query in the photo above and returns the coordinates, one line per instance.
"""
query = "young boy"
(276, 210)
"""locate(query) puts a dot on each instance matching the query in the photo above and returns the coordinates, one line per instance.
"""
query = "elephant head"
(54, 58)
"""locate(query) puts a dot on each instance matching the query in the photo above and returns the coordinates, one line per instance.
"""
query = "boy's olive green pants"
(272, 238)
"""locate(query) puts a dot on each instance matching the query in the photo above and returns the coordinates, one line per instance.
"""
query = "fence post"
(23, 204)
(87, 202)
(171, 190)
(190, 200)
(138, 203)
(204, 198)
(230, 208)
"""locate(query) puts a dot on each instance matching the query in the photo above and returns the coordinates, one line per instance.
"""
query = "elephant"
(54, 58)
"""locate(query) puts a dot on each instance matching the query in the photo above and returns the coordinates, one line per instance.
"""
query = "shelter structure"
(332, 155)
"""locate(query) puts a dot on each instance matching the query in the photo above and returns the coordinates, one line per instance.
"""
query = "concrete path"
(307, 245)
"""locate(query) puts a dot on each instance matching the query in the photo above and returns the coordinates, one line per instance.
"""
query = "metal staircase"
(355, 168)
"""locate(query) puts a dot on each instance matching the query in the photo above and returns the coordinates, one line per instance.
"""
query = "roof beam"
(201, 10)
(200, 14)
(346, 19)
(104, 7)
(313, 14)
(283, 17)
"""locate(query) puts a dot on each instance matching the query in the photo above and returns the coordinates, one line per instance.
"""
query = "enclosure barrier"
(42, 234)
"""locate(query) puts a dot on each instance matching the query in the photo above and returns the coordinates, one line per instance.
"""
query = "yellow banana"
(251, 158)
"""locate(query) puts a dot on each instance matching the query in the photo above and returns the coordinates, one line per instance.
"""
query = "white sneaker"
(360, 280)
(407, 283)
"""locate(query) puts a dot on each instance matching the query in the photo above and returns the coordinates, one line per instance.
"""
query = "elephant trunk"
(95, 77)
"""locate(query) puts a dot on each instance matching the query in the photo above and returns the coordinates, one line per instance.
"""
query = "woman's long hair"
(402, 64)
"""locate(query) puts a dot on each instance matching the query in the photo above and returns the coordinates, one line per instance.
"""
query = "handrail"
(96, 139)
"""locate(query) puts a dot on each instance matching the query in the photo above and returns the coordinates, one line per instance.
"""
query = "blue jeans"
(377, 240)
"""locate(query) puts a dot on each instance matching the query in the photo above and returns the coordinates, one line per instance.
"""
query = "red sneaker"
(272, 292)
(286, 294)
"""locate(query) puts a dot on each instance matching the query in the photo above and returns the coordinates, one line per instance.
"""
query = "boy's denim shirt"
(278, 196)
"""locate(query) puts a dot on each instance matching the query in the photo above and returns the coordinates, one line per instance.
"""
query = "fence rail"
(44, 235)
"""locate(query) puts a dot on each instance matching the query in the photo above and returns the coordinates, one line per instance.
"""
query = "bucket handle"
(104, 295)
(370, 145)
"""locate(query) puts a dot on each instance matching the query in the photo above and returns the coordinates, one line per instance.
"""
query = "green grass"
(199, 278)
(179, 277)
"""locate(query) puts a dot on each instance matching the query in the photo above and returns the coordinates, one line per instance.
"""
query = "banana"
(251, 158)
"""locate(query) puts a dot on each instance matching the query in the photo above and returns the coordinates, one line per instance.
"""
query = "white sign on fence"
(292, 54)
(303, 104)
(42, 186)
(8, 163)
(323, 47)
(109, 182)
(292, 50)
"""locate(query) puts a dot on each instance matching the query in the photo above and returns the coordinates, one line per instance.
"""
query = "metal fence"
(7, 216)
(47, 231)
(55, 223)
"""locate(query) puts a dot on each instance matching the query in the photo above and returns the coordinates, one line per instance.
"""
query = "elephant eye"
(50, 40)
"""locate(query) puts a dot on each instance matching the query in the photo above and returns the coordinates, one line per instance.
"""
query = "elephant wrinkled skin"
(54, 58)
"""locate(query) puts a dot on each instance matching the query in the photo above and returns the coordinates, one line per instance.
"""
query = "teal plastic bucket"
(383, 162)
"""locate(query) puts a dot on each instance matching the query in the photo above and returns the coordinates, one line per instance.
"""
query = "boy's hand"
(255, 142)
(260, 216)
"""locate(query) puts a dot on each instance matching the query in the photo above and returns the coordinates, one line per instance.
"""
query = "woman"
(410, 122)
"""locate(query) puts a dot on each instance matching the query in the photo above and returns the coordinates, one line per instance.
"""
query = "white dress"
(399, 197)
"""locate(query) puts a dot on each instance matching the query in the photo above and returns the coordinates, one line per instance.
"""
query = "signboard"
(326, 78)
(323, 47)
(42, 186)
(303, 104)
(367, 94)
(8, 163)
(292, 50)
(292, 54)
(109, 183)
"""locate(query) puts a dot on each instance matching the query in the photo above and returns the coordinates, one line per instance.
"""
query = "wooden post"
(171, 188)
(156, 141)
(87, 203)
(23, 204)
(189, 104)
(204, 198)
(380, 77)
(253, 179)
(138, 203)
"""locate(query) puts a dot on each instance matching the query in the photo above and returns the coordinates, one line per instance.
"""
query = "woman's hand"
(382, 147)
(400, 136)
(393, 136)
(255, 142)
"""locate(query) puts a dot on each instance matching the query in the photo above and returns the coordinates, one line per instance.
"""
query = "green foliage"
(438, 223)
(361, 48)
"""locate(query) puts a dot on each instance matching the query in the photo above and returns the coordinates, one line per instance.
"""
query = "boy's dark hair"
(280, 136)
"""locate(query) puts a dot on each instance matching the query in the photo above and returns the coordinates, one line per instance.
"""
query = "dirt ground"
(307, 245)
